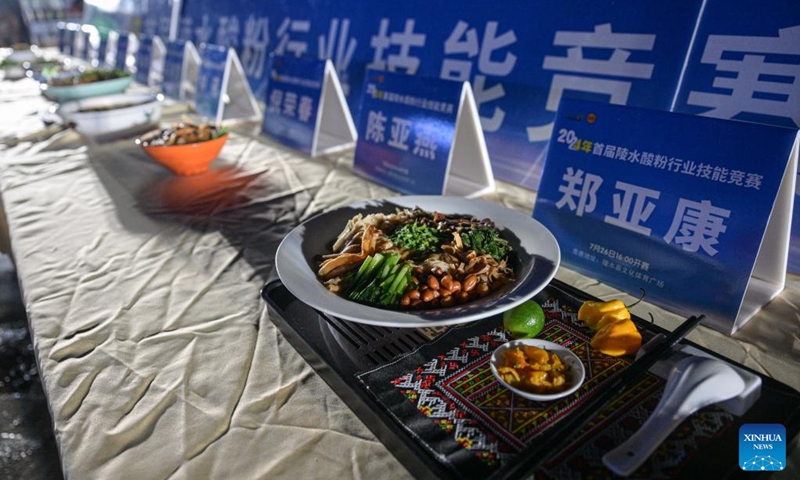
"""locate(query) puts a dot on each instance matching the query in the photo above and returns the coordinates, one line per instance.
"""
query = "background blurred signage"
(519, 58)
(123, 44)
(523, 58)
(305, 107)
(144, 58)
(213, 59)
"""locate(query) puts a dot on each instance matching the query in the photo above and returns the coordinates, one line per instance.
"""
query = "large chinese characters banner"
(521, 58)
(747, 70)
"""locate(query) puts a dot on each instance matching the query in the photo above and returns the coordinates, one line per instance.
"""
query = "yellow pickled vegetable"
(533, 369)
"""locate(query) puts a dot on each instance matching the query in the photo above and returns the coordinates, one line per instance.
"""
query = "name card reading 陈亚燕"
(691, 209)
(421, 135)
(181, 66)
(222, 89)
(305, 106)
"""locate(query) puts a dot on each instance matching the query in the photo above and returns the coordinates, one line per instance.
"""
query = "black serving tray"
(339, 350)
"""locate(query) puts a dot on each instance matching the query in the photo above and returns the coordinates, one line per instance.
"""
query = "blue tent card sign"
(420, 135)
(181, 66)
(305, 106)
(102, 51)
(94, 46)
(694, 210)
(150, 60)
(121, 49)
(223, 92)
(81, 40)
(64, 35)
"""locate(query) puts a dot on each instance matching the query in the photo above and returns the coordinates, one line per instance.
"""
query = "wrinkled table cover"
(142, 291)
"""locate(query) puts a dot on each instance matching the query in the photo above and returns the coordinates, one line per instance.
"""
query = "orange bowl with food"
(185, 148)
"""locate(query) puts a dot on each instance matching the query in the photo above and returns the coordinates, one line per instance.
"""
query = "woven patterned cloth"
(456, 391)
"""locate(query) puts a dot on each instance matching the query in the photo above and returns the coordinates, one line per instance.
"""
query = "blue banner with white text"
(520, 58)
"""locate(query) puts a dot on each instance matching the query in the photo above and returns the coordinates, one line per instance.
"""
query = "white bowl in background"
(113, 115)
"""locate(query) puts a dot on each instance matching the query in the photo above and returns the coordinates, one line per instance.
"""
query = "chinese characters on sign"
(287, 104)
(698, 169)
(407, 127)
(518, 74)
(696, 224)
(463, 41)
(619, 262)
(419, 138)
(578, 72)
(292, 101)
(758, 86)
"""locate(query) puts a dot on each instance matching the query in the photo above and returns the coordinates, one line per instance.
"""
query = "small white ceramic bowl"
(576, 373)
(106, 115)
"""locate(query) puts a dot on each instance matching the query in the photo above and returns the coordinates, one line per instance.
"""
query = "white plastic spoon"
(693, 383)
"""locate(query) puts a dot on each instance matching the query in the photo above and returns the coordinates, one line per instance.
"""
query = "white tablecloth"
(155, 349)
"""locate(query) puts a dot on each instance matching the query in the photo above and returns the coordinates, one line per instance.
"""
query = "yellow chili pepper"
(616, 333)
(591, 311)
(618, 338)
(613, 316)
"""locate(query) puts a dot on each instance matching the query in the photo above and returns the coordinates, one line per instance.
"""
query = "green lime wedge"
(525, 320)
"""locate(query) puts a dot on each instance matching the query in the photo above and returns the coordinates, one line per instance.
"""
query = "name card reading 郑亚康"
(181, 66)
(421, 135)
(305, 106)
(222, 89)
(693, 210)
